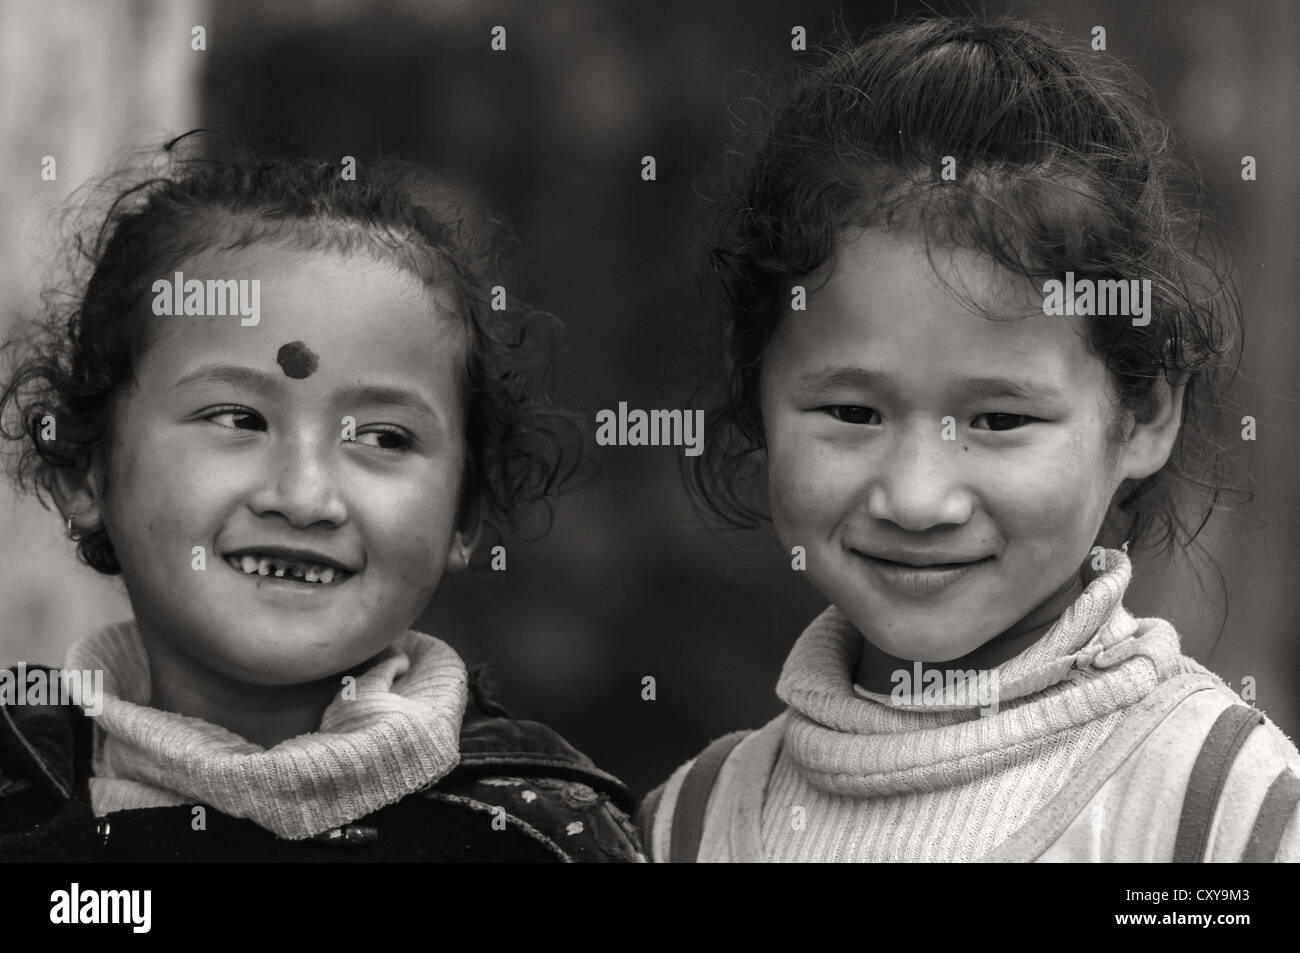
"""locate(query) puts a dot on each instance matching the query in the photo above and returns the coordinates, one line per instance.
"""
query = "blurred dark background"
(550, 134)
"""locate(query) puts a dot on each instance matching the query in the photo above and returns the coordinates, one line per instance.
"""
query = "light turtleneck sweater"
(1082, 759)
(947, 783)
(399, 734)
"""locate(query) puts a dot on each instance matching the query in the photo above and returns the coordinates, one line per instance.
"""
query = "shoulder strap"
(1209, 775)
(693, 798)
(1278, 808)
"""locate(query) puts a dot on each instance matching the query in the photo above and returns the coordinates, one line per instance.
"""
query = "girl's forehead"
(289, 284)
(875, 268)
(309, 316)
(891, 303)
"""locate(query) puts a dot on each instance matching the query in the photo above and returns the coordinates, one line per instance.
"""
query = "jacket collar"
(491, 742)
(50, 744)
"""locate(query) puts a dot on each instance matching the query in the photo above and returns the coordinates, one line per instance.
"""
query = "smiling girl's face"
(218, 447)
(854, 394)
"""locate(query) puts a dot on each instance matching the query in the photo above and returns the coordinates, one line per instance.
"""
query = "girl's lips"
(920, 581)
(288, 555)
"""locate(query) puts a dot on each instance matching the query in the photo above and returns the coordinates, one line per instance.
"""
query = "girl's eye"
(240, 418)
(855, 414)
(850, 413)
(385, 439)
(1011, 421)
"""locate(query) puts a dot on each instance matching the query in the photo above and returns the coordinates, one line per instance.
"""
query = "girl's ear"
(79, 494)
(1153, 438)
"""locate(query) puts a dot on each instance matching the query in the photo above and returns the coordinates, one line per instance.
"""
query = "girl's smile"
(307, 571)
(260, 562)
(921, 581)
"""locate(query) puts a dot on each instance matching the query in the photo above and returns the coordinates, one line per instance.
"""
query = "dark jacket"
(520, 793)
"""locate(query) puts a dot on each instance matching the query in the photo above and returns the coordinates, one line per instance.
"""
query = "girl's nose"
(302, 483)
(918, 482)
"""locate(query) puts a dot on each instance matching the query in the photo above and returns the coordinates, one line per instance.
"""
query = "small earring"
(75, 537)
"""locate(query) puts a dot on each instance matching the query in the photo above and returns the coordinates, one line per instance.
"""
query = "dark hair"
(1059, 167)
(203, 191)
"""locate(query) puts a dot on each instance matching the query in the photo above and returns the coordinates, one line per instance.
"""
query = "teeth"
(267, 566)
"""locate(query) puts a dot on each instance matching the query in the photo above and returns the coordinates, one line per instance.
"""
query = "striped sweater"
(1086, 758)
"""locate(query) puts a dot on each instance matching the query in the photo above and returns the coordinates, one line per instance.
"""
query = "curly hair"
(203, 191)
(1062, 165)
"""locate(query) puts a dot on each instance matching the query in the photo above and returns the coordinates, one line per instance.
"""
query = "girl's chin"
(304, 667)
(926, 652)
(909, 643)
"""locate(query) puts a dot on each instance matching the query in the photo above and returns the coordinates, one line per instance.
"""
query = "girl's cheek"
(1051, 495)
(806, 488)
(420, 521)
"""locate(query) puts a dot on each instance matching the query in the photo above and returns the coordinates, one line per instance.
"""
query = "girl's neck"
(876, 668)
(263, 714)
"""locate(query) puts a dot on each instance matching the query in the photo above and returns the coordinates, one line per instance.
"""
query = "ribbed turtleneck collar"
(1095, 659)
(394, 732)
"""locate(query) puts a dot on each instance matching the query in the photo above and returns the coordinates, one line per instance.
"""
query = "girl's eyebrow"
(232, 374)
(1023, 388)
(831, 378)
(364, 394)
(269, 385)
